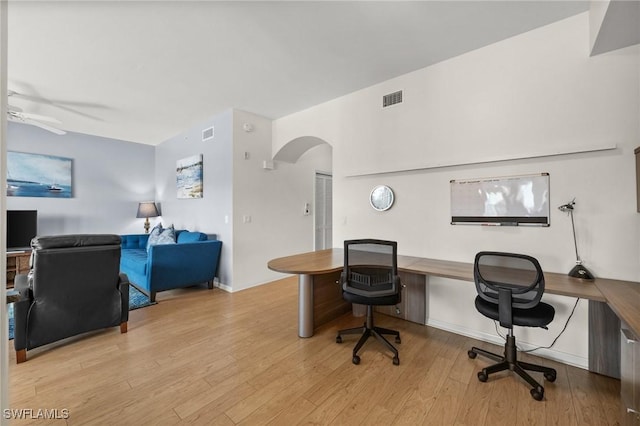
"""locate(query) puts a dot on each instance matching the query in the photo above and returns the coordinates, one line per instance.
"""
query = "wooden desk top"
(331, 260)
(312, 263)
(622, 296)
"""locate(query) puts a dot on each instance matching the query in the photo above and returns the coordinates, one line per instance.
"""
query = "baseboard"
(222, 286)
(562, 357)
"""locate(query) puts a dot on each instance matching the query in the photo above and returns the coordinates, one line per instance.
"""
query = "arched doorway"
(323, 189)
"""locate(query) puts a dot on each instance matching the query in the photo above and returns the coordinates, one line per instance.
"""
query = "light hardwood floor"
(209, 357)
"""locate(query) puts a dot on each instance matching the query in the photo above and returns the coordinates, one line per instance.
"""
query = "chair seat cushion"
(375, 301)
(539, 316)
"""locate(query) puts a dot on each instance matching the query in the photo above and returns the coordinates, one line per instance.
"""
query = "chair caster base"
(537, 394)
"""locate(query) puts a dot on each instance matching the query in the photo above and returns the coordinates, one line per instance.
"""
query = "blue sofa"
(192, 260)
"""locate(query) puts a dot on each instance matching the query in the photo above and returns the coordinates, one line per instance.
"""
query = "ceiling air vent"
(392, 99)
(207, 134)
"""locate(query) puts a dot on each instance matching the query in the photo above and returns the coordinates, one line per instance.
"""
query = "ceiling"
(144, 71)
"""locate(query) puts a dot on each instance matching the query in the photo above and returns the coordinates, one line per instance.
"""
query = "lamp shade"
(147, 209)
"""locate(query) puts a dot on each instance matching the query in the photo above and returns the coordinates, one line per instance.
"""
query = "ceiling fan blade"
(45, 126)
(28, 115)
(18, 119)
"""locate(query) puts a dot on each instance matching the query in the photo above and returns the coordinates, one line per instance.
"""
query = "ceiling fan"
(16, 114)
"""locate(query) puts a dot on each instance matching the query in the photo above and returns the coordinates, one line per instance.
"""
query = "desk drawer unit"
(630, 376)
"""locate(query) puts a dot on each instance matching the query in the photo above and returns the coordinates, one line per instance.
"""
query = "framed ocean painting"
(189, 177)
(37, 175)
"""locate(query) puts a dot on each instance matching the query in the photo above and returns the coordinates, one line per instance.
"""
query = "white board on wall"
(507, 201)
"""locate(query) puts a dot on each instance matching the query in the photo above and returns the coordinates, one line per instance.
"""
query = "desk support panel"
(604, 340)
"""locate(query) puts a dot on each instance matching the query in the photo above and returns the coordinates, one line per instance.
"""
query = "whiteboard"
(506, 201)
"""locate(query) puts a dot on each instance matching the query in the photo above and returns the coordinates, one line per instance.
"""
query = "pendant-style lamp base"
(579, 271)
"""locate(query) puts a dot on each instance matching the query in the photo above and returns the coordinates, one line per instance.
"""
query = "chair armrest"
(21, 285)
(184, 262)
(20, 311)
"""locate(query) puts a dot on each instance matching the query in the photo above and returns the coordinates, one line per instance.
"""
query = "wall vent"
(207, 134)
(392, 99)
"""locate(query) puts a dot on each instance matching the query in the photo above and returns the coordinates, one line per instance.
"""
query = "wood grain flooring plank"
(209, 357)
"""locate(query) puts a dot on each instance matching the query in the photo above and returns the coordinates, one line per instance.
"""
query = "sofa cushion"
(189, 237)
(134, 260)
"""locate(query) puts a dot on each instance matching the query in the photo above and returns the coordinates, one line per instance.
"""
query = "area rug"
(137, 300)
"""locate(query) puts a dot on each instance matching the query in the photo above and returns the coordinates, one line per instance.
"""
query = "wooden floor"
(209, 357)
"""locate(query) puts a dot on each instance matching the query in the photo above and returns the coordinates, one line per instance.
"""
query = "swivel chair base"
(510, 362)
(368, 330)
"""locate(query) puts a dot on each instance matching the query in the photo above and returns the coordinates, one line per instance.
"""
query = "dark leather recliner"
(74, 286)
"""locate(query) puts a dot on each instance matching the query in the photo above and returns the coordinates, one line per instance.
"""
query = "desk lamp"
(578, 271)
(147, 209)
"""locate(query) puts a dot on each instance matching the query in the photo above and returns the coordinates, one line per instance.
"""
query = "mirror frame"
(381, 198)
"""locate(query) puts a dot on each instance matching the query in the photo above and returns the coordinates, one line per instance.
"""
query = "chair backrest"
(509, 280)
(370, 268)
(75, 276)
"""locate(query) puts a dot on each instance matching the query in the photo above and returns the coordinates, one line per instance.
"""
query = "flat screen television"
(22, 226)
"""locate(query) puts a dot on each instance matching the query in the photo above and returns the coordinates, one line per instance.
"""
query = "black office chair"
(510, 287)
(370, 277)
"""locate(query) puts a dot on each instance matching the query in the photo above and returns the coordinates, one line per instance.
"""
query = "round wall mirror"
(381, 198)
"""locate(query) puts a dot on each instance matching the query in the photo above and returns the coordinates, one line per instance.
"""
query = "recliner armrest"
(21, 285)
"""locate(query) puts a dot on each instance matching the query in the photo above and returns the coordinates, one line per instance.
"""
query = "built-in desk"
(320, 299)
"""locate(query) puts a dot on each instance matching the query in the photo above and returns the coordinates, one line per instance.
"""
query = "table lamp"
(147, 209)
(578, 271)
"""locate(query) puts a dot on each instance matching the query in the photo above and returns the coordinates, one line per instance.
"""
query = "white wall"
(109, 178)
(235, 187)
(536, 93)
(274, 199)
(205, 214)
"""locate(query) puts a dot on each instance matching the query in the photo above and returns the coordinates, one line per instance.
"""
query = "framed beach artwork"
(37, 175)
(189, 177)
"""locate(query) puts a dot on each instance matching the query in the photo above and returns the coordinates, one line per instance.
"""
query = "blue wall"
(109, 178)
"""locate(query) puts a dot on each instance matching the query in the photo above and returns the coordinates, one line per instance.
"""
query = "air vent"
(207, 134)
(392, 99)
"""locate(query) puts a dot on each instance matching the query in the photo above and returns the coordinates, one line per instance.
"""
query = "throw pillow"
(167, 236)
(153, 236)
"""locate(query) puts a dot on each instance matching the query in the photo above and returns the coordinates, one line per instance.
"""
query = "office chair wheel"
(338, 339)
(551, 377)
(472, 354)
(355, 359)
(482, 376)
(398, 339)
(396, 360)
(537, 394)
